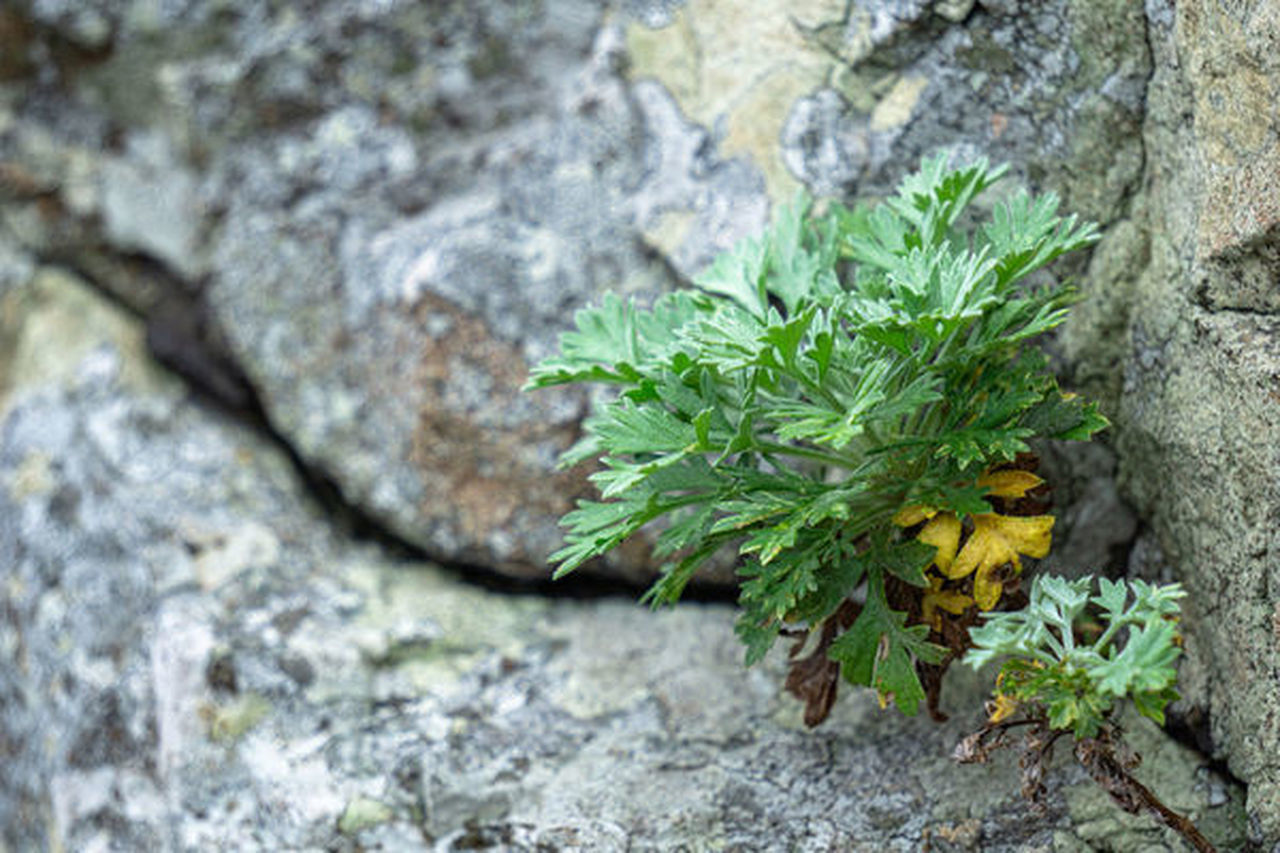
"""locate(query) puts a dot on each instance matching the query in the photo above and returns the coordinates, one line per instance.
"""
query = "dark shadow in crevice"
(183, 336)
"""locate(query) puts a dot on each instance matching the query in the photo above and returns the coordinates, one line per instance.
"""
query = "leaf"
(938, 597)
(1152, 704)
(772, 591)
(1065, 417)
(880, 651)
(614, 339)
(739, 275)
(1009, 483)
(1111, 597)
(906, 560)
(688, 528)
(676, 576)
(999, 539)
(794, 269)
(1145, 664)
(942, 533)
(756, 636)
(626, 427)
(1025, 235)
(842, 572)
(786, 337)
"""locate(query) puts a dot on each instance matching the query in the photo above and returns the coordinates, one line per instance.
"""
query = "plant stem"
(803, 453)
(1097, 756)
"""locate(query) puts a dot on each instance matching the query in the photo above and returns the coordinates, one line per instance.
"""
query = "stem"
(1068, 639)
(1097, 756)
(804, 453)
(1112, 627)
(1054, 644)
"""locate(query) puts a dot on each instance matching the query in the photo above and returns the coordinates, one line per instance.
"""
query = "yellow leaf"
(1002, 708)
(909, 516)
(999, 539)
(988, 585)
(936, 597)
(943, 533)
(1009, 484)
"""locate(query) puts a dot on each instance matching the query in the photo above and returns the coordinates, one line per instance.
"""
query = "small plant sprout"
(1069, 659)
(847, 402)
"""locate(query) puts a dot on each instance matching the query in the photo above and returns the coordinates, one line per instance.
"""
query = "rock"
(149, 204)
(1199, 413)
(363, 222)
(154, 706)
(372, 221)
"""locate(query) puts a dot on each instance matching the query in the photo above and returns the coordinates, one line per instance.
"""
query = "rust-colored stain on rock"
(485, 461)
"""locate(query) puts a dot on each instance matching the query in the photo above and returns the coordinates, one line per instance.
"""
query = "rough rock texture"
(198, 662)
(368, 218)
(1198, 423)
(379, 215)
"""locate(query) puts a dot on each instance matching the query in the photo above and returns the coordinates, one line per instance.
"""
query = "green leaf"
(794, 269)
(786, 337)
(818, 378)
(739, 274)
(626, 427)
(758, 637)
(614, 339)
(880, 651)
(1151, 704)
(1145, 664)
(907, 560)
(842, 571)
(1063, 417)
(676, 576)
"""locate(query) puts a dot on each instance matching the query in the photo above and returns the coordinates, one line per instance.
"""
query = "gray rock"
(1197, 416)
(381, 213)
(200, 663)
(149, 204)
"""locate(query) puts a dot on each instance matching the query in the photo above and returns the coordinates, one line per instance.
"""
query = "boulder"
(196, 660)
(354, 226)
(1198, 421)
(369, 222)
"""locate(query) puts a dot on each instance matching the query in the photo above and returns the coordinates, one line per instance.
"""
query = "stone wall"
(1198, 425)
(350, 227)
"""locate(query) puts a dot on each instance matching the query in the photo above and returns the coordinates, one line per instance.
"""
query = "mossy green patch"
(742, 72)
(232, 721)
(362, 813)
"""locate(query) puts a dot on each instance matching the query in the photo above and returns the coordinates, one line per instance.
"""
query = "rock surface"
(1198, 423)
(366, 220)
(200, 663)
(380, 217)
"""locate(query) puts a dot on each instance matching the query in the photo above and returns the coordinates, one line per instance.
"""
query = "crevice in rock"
(182, 336)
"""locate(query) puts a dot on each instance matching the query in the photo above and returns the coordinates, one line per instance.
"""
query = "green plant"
(1076, 681)
(848, 402)
(1069, 659)
(845, 376)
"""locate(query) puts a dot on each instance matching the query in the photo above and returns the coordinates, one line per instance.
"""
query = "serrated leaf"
(756, 636)
(906, 560)
(880, 651)
(739, 274)
(675, 577)
(1145, 664)
(626, 427)
(614, 338)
